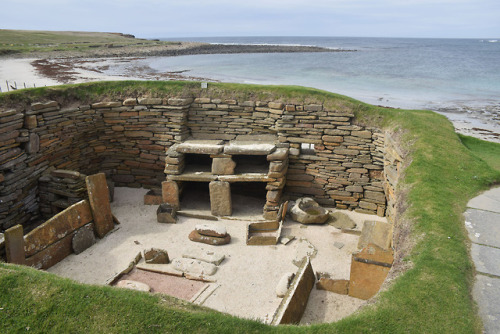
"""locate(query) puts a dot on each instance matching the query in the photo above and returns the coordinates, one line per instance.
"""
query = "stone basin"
(307, 211)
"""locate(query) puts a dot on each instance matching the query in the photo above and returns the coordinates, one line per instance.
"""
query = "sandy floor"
(245, 281)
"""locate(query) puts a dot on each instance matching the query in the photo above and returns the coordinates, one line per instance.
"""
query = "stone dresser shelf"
(208, 177)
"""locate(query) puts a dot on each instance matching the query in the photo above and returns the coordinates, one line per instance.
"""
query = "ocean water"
(398, 72)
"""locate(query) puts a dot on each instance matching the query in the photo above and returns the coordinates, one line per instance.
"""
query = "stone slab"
(97, 188)
(194, 267)
(193, 177)
(204, 255)
(488, 201)
(339, 286)
(153, 197)
(223, 166)
(211, 230)
(52, 254)
(156, 256)
(220, 198)
(375, 232)
(58, 227)
(486, 259)
(249, 148)
(483, 226)
(83, 239)
(247, 177)
(14, 245)
(201, 146)
(486, 293)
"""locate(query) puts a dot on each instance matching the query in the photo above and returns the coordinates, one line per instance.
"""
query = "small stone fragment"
(286, 239)
(203, 255)
(133, 285)
(339, 245)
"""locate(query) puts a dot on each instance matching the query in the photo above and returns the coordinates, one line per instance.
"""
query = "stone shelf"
(249, 148)
(201, 146)
(208, 177)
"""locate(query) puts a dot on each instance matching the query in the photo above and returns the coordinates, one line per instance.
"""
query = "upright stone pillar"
(170, 193)
(220, 198)
(14, 245)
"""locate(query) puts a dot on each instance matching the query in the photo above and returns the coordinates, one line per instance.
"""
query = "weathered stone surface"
(308, 211)
(220, 198)
(45, 105)
(59, 226)
(170, 193)
(83, 239)
(150, 100)
(249, 148)
(211, 230)
(284, 284)
(280, 154)
(223, 166)
(201, 146)
(195, 267)
(204, 255)
(156, 256)
(106, 105)
(214, 241)
(130, 102)
(166, 214)
(133, 285)
(375, 232)
(14, 245)
(99, 202)
(30, 122)
(369, 268)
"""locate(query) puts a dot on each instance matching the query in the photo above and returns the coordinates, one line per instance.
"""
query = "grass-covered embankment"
(432, 296)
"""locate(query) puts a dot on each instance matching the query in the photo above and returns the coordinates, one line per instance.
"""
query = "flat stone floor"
(246, 280)
(482, 220)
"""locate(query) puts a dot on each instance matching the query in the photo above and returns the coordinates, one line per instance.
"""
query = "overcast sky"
(195, 18)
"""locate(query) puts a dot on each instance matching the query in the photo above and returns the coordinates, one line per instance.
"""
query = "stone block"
(249, 148)
(156, 256)
(170, 193)
(52, 254)
(106, 105)
(375, 232)
(83, 239)
(130, 102)
(220, 198)
(30, 122)
(14, 245)
(99, 203)
(284, 284)
(201, 147)
(166, 214)
(150, 100)
(33, 145)
(66, 174)
(223, 166)
(153, 197)
(369, 269)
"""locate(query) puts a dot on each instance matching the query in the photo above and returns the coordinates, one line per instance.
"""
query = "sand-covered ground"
(246, 280)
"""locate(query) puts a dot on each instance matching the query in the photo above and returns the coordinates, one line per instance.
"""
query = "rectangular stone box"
(166, 214)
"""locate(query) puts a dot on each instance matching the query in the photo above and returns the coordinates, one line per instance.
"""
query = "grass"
(26, 41)
(433, 296)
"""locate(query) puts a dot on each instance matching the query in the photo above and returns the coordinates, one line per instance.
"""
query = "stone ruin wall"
(128, 140)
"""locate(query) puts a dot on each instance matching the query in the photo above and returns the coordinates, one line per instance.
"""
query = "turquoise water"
(399, 72)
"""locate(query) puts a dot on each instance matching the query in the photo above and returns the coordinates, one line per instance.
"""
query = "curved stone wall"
(330, 158)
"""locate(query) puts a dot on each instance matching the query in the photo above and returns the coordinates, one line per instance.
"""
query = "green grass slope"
(432, 296)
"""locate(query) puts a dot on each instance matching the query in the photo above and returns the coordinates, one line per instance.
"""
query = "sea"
(417, 73)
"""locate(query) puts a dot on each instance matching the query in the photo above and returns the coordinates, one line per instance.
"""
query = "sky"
(198, 18)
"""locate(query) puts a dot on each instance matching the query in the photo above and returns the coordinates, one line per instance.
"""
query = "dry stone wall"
(128, 140)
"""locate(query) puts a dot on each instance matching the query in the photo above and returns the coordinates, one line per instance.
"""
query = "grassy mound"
(433, 295)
